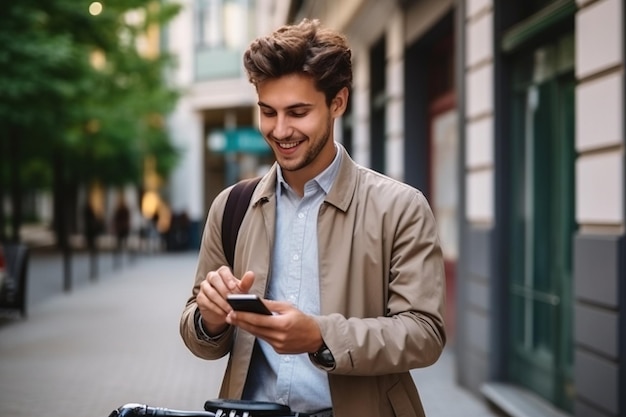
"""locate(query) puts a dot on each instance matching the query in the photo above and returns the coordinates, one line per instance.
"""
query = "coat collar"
(340, 195)
(344, 187)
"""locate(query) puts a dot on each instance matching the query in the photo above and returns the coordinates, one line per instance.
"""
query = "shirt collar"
(324, 179)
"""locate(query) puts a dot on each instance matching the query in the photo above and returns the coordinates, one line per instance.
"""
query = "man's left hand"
(288, 330)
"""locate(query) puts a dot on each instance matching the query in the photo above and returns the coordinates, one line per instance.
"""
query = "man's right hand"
(211, 299)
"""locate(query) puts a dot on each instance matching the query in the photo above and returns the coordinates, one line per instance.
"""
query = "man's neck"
(297, 179)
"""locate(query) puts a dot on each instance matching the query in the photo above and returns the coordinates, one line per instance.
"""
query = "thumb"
(246, 282)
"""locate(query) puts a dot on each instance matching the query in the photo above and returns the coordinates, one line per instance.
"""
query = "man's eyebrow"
(290, 107)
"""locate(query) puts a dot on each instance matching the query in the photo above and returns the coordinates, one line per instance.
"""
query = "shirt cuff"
(201, 333)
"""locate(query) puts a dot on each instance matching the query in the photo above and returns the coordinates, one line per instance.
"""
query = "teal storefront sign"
(241, 140)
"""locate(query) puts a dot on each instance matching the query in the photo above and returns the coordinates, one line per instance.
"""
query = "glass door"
(542, 221)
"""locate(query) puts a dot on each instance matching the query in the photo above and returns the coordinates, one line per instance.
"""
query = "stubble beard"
(312, 153)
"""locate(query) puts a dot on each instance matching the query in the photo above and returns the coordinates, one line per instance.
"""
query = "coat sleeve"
(210, 258)
(411, 334)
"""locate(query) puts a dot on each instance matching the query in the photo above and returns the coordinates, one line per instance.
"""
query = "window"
(222, 31)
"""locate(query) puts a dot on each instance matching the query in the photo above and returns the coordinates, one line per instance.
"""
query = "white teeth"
(288, 145)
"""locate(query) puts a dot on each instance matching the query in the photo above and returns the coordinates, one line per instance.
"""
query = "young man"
(347, 259)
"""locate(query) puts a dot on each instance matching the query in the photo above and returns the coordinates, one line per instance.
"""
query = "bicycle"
(217, 408)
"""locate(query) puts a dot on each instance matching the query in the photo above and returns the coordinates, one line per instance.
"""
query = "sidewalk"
(116, 341)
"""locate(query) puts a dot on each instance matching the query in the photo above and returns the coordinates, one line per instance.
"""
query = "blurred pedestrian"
(348, 260)
(93, 226)
(121, 227)
(178, 233)
(3, 269)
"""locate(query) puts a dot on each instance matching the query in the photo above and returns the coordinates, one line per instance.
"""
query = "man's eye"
(268, 113)
(299, 114)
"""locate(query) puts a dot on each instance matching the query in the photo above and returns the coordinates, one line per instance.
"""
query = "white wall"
(479, 99)
(186, 187)
(394, 129)
(599, 114)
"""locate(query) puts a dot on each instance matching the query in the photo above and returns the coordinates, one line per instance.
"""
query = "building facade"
(543, 284)
(510, 117)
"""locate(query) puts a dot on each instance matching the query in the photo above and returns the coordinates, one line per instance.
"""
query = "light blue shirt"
(292, 379)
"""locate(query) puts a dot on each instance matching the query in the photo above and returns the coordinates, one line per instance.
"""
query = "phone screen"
(248, 302)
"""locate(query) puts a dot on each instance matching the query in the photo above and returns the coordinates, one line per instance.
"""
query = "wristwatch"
(324, 357)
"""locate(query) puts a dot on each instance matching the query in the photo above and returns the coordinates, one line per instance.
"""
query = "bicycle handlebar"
(138, 410)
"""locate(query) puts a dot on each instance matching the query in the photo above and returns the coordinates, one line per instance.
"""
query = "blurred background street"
(115, 341)
(105, 344)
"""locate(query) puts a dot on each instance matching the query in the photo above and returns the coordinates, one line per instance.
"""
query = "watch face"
(324, 357)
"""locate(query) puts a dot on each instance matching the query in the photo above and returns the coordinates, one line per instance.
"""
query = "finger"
(222, 281)
(212, 300)
(213, 313)
(248, 320)
(246, 282)
(267, 328)
(228, 279)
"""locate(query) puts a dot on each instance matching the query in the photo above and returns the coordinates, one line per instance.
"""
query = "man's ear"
(339, 103)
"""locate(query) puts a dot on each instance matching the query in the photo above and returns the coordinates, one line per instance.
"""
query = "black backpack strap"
(236, 207)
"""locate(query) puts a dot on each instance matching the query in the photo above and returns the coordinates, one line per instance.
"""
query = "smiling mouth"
(288, 145)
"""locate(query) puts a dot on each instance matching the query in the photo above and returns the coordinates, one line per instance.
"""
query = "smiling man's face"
(298, 125)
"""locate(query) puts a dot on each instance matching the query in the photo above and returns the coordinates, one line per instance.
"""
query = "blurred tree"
(79, 101)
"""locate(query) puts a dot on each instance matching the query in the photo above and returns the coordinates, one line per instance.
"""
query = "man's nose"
(282, 129)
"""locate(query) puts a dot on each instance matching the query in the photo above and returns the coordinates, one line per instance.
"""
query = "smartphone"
(248, 302)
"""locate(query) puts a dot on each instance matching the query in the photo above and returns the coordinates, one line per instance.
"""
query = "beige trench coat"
(382, 289)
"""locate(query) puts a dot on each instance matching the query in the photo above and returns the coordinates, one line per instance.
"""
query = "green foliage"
(104, 118)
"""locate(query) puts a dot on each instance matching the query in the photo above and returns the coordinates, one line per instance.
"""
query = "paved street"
(115, 340)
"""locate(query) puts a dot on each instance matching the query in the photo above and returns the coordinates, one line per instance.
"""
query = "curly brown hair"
(304, 48)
